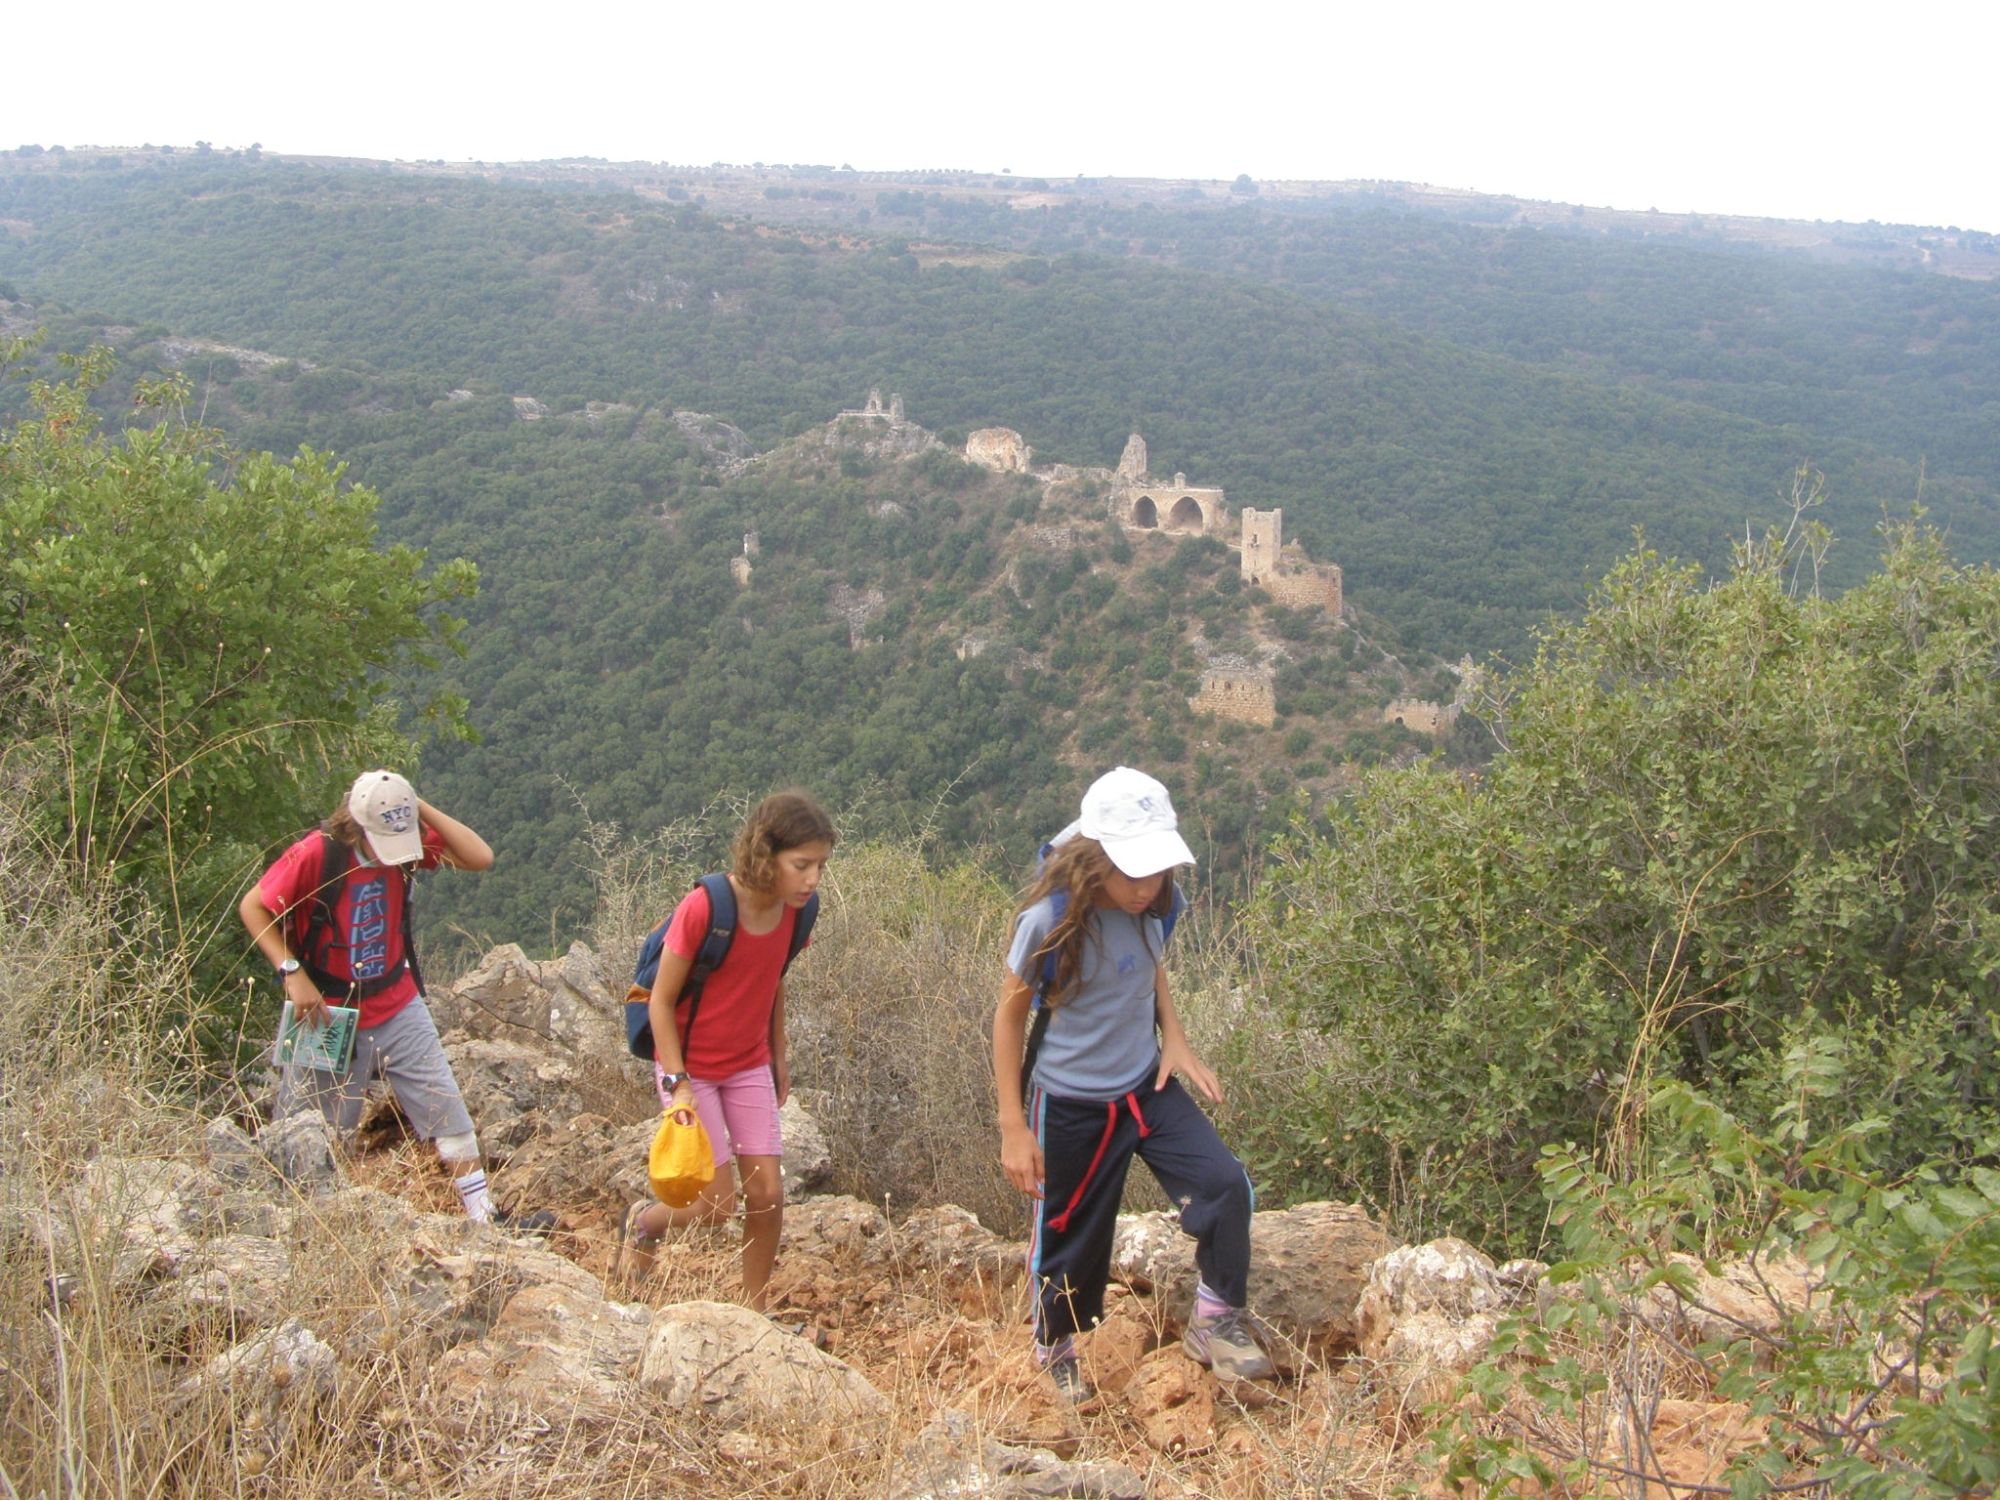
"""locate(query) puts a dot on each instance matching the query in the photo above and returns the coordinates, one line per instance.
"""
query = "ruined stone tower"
(1263, 539)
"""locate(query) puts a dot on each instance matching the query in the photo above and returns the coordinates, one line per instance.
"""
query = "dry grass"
(890, 1019)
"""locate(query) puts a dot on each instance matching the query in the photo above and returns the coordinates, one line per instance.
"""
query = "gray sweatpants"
(406, 1051)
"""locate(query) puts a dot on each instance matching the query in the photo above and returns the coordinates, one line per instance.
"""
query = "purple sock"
(1207, 1305)
(1062, 1348)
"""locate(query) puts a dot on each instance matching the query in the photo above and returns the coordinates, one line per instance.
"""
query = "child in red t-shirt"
(731, 1069)
(360, 957)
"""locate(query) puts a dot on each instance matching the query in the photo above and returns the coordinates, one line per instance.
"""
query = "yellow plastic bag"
(682, 1162)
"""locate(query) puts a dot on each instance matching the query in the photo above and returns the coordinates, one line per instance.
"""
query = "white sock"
(472, 1193)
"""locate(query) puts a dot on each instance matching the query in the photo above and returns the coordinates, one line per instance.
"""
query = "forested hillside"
(1472, 424)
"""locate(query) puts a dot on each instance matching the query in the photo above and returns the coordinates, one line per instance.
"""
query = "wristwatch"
(672, 1081)
(287, 969)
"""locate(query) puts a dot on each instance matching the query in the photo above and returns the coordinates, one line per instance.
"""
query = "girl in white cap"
(332, 916)
(1087, 947)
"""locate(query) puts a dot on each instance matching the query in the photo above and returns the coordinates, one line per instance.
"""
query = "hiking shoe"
(1228, 1345)
(1071, 1384)
(530, 1221)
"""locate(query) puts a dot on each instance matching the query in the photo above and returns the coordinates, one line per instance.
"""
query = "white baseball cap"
(385, 806)
(1132, 816)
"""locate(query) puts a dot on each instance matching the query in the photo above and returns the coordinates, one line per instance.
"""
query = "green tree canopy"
(1727, 816)
(204, 643)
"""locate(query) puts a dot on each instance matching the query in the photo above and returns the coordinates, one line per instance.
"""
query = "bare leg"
(716, 1204)
(763, 1218)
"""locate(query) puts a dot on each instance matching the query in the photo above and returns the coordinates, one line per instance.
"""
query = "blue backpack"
(1038, 1025)
(707, 959)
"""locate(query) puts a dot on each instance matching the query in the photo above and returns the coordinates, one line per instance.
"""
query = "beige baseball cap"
(385, 806)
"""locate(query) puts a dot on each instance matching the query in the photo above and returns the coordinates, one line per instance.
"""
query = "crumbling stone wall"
(1282, 570)
(1305, 585)
(1421, 715)
(1141, 500)
(1245, 694)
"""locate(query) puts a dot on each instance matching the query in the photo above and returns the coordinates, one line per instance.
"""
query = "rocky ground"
(330, 1317)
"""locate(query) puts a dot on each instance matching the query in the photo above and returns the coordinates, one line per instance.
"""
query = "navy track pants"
(1087, 1148)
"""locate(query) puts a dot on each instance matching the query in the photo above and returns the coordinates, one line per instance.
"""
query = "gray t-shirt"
(1100, 1042)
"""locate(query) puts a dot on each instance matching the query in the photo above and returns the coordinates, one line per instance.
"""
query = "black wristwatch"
(287, 969)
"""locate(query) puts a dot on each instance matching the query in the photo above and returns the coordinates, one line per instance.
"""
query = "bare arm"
(781, 1068)
(1020, 1152)
(1176, 1056)
(667, 986)
(463, 849)
(267, 931)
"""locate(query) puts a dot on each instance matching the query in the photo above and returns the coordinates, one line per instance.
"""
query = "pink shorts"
(740, 1112)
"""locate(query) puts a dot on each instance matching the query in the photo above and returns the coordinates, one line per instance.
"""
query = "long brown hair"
(783, 820)
(341, 827)
(1079, 867)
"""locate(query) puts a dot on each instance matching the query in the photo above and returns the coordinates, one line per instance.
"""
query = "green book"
(329, 1048)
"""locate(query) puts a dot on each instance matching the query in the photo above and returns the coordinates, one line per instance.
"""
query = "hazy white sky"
(1820, 110)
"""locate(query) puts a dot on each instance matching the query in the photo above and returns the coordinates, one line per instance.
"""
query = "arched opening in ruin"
(1186, 514)
(1144, 512)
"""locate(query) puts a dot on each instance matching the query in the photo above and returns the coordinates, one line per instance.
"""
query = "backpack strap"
(315, 936)
(802, 927)
(1039, 1010)
(715, 941)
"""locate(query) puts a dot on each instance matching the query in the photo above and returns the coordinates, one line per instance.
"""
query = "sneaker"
(1228, 1345)
(1071, 1384)
(530, 1221)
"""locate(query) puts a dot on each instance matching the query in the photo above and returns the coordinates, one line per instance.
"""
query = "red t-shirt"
(732, 1031)
(367, 918)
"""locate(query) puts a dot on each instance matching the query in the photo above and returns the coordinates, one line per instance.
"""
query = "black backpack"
(707, 959)
(315, 937)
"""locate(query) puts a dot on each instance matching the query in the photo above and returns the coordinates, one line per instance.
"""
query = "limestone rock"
(951, 1239)
(512, 1087)
(586, 1010)
(736, 1366)
(1000, 449)
(717, 442)
(1737, 1300)
(283, 1374)
(554, 1353)
(240, 1277)
(584, 1165)
(503, 993)
(834, 1228)
(953, 1457)
(571, 1004)
(153, 1209)
(1427, 1315)
(302, 1150)
(232, 1154)
(1308, 1265)
(808, 1157)
(436, 1279)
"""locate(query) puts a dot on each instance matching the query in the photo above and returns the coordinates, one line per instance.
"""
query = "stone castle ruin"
(1421, 715)
(1139, 500)
(875, 411)
(1145, 503)
(1243, 693)
(1284, 572)
(1142, 501)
